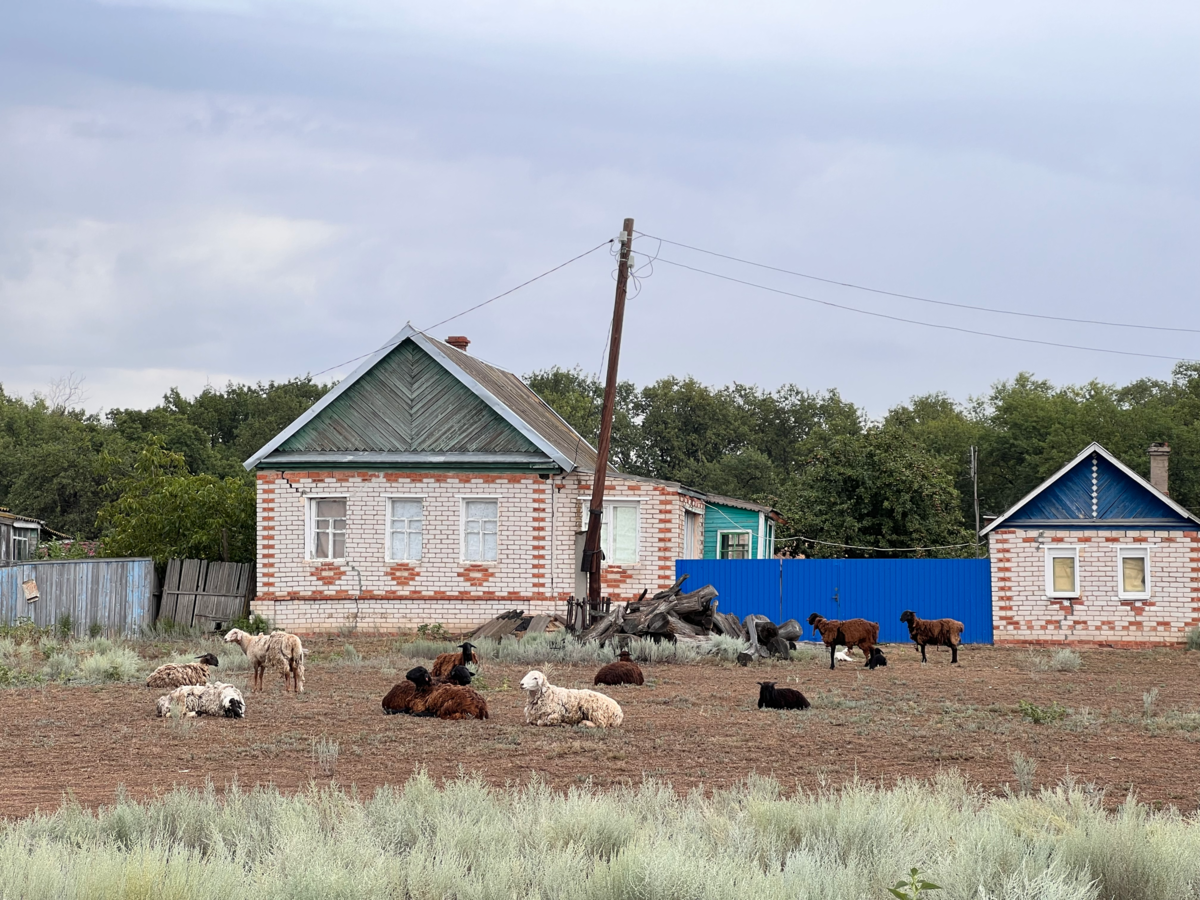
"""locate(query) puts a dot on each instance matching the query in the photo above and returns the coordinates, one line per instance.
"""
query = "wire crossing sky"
(204, 190)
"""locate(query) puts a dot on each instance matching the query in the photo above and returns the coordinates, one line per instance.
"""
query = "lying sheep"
(214, 699)
(455, 701)
(280, 650)
(623, 671)
(877, 659)
(174, 675)
(412, 694)
(939, 632)
(549, 705)
(848, 633)
(771, 697)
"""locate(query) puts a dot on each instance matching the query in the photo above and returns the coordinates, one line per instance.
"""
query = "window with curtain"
(404, 528)
(1062, 572)
(327, 539)
(481, 527)
(1133, 573)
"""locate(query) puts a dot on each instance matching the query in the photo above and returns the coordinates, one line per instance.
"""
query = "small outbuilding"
(1096, 554)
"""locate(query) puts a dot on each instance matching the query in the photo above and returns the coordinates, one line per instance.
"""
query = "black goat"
(771, 697)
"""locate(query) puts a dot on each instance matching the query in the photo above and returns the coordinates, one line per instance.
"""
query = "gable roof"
(1095, 488)
(536, 431)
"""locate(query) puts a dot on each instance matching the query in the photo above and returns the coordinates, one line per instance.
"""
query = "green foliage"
(1042, 715)
(1193, 639)
(432, 632)
(913, 888)
(95, 630)
(65, 626)
(252, 624)
(162, 511)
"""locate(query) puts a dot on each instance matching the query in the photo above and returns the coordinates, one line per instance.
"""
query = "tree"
(164, 512)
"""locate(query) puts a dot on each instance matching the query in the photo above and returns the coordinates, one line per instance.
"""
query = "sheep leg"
(953, 654)
(832, 649)
(923, 660)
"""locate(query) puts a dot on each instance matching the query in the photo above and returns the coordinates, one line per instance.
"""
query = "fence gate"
(208, 594)
(874, 589)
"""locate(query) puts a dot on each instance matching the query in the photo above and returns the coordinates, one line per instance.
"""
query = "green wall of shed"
(728, 518)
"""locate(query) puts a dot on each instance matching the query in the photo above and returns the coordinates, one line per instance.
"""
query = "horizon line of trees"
(168, 481)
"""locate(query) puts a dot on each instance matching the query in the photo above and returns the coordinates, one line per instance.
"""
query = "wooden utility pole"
(591, 545)
(975, 490)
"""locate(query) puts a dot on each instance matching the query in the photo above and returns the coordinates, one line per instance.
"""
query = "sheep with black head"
(623, 671)
(939, 632)
(771, 697)
(846, 633)
(447, 661)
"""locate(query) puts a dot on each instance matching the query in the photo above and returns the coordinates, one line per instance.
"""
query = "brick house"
(430, 486)
(1097, 554)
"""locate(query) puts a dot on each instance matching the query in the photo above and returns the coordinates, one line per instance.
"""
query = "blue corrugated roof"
(1096, 490)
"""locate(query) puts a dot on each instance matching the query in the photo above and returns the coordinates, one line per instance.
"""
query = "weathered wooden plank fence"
(115, 594)
(206, 594)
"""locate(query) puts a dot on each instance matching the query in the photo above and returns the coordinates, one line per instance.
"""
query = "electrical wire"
(879, 315)
(809, 540)
(859, 287)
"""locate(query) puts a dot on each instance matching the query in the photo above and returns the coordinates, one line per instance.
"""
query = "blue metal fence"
(874, 589)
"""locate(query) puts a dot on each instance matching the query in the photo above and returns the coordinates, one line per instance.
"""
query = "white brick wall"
(535, 568)
(1022, 610)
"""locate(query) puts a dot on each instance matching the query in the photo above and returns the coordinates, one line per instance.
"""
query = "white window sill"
(1074, 596)
(341, 559)
(1133, 597)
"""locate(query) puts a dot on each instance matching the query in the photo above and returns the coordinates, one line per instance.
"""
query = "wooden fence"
(115, 594)
(207, 594)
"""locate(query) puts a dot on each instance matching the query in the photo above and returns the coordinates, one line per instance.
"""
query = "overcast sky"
(193, 191)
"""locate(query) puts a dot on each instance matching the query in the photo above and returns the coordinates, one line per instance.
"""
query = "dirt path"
(691, 725)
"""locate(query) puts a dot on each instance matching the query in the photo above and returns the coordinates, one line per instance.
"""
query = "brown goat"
(624, 671)
(939, 632)
(848, 633)
(447, 661)
(453, 701)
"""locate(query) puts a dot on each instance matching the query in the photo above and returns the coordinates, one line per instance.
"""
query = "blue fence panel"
(744, 586)
(874, 589)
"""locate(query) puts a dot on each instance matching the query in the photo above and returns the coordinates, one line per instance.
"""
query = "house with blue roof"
(1097, 554)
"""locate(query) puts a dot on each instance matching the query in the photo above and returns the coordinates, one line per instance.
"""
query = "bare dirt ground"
(691, 725)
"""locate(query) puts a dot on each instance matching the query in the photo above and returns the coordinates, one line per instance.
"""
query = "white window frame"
(1053, 553)
(387, 525)
(20, 532)
(1127, 550)
(463, 500)
(310, 515)
(606, 534)
(749, 541)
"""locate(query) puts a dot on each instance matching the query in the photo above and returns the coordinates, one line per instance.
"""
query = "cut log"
(671, 591)
(606, 627)
(790, 630)
(695, 603)
(677, 626)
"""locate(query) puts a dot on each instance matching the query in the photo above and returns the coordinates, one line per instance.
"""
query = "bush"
(253, 624)
(1061, 661)
(118, 664)
(1042, 715)
(1193, 639)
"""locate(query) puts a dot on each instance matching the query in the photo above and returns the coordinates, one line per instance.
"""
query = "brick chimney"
(1160, 454)
(458, 342)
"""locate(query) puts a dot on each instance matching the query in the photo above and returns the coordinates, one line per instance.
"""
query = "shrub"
(1193, 638)
(65, 626)
(1061, 661)
(434, 632)
(118, 664)
(61, 666)
(254, 624)
(95, 630)
(1023, 768)
(1042, 715)
(725, 647)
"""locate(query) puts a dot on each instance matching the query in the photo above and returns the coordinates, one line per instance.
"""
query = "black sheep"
(771, 697)
(877, 659)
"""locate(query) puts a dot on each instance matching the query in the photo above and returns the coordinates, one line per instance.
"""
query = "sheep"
(175, 675)
(453, 701)
(939, 632)
(624, 671)
(409, 696)
(548, 705)
(877, 659)
(771, 697)
(281, 650)
(849, 633)
(844, 656)
(447, 661)
(213, 699)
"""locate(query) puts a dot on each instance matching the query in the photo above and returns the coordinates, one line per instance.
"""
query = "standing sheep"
(215, 699)
(447, 661)
(549, 705)
(939, 632)
(848, 633)
(174, 675)
(623, 671)
(280, 650)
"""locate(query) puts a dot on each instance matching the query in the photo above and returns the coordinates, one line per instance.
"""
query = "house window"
(691, 528)
(1133, 573)
(733, 545)
(327, 536)
(619, 533)
(481, 525)
(404, 528)
(25, 541)
(1062, 572)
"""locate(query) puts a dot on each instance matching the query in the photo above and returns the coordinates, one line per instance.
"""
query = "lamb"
(848, 633)
(175, 675)
(939, 632)
(447, 661)
(624, 671)
(213, 699)
(548, 705)
(877, 659)
(281, 650)
(771, 697)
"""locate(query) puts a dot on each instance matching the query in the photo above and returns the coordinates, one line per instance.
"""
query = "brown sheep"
(939, 632)
(624, 671)
(454, 701)
(410, 695)
(848, 633)
(447, 661)
(175, 675)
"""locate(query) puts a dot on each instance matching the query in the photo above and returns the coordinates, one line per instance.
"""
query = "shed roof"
(1095, 489)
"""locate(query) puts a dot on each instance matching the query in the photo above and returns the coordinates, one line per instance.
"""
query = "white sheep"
(550, 705)
(213, 699)
(279, 649)
(174, 675)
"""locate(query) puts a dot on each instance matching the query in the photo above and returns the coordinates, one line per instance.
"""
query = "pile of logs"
(668, 615)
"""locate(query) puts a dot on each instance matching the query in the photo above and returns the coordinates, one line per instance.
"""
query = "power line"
(876, 549)
(879, 315)
(470, 309)
(859, 287)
